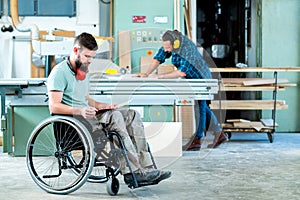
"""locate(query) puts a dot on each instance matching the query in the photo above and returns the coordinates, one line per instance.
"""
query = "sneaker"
(149, 175)
(164, 175)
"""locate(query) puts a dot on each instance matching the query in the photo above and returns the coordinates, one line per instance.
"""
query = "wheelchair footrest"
(142, 184)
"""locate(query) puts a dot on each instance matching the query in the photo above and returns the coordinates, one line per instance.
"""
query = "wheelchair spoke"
(49, 150)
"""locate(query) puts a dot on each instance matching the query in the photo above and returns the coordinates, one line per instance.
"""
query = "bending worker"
(191, 65)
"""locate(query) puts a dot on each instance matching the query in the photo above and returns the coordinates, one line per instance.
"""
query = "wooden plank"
(257, 69)
(233, 81)
(165, 68)
(249, 88)
(249, 124)
(237, 120)
(251, 81)
(246, 127)
(268, 122)
(256, 125)
(63, 33)
(248, 104)
(264, 81)
(185, 115)
(104, 38)
(187, 20)
(287, 85)
(271, 87)
(145, 63)
(124, 49)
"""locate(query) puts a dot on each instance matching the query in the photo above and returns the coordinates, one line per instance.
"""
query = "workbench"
(119, 89)
(25, 111)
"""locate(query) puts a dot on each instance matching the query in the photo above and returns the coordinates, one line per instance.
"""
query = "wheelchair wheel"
(51, 146)
(112, 186)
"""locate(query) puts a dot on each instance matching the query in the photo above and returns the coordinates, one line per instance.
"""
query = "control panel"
(144, 42)
(144, 35)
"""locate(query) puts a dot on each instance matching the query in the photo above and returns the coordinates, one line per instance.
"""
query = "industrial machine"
(26, 105)
(137, 32)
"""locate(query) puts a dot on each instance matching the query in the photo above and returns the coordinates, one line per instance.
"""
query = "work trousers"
(128, 124)
(205, 119)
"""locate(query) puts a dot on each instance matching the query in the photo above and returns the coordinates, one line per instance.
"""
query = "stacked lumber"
(253, 84)
(241, 124)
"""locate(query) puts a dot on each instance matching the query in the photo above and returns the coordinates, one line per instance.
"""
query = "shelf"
(248, 105)
(256, 69)
(253, 84)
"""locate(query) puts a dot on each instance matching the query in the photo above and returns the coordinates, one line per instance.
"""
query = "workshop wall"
(280, 48)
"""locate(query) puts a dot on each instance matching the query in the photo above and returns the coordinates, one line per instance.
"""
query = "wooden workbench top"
(256, 69)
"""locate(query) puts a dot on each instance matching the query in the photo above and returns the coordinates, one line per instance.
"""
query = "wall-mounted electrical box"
(46, 8)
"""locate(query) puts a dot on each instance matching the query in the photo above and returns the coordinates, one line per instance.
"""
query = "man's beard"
(80, 66)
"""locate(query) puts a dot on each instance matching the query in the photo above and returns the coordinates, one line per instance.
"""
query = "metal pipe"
(35, 34)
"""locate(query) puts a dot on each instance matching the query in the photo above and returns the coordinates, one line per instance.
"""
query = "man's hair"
(170, 36)
(86, 40)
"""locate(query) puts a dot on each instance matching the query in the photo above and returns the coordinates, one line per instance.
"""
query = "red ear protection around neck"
(80, 75)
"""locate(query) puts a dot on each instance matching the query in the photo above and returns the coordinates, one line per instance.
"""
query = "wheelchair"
(63, 153)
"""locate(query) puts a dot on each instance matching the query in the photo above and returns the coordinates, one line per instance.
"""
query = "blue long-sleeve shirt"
(180, 63)
(187, 59)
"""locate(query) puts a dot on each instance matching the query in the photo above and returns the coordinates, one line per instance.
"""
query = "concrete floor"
(246, 167)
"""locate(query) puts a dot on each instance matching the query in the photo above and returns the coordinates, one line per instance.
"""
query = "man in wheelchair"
(68, 91)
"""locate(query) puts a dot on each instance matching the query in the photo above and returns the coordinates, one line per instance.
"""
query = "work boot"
(164, 175)
(219, 139)
(149, 175)
(193, 145)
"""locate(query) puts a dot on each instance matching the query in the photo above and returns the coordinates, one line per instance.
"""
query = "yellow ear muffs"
(176, 44)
